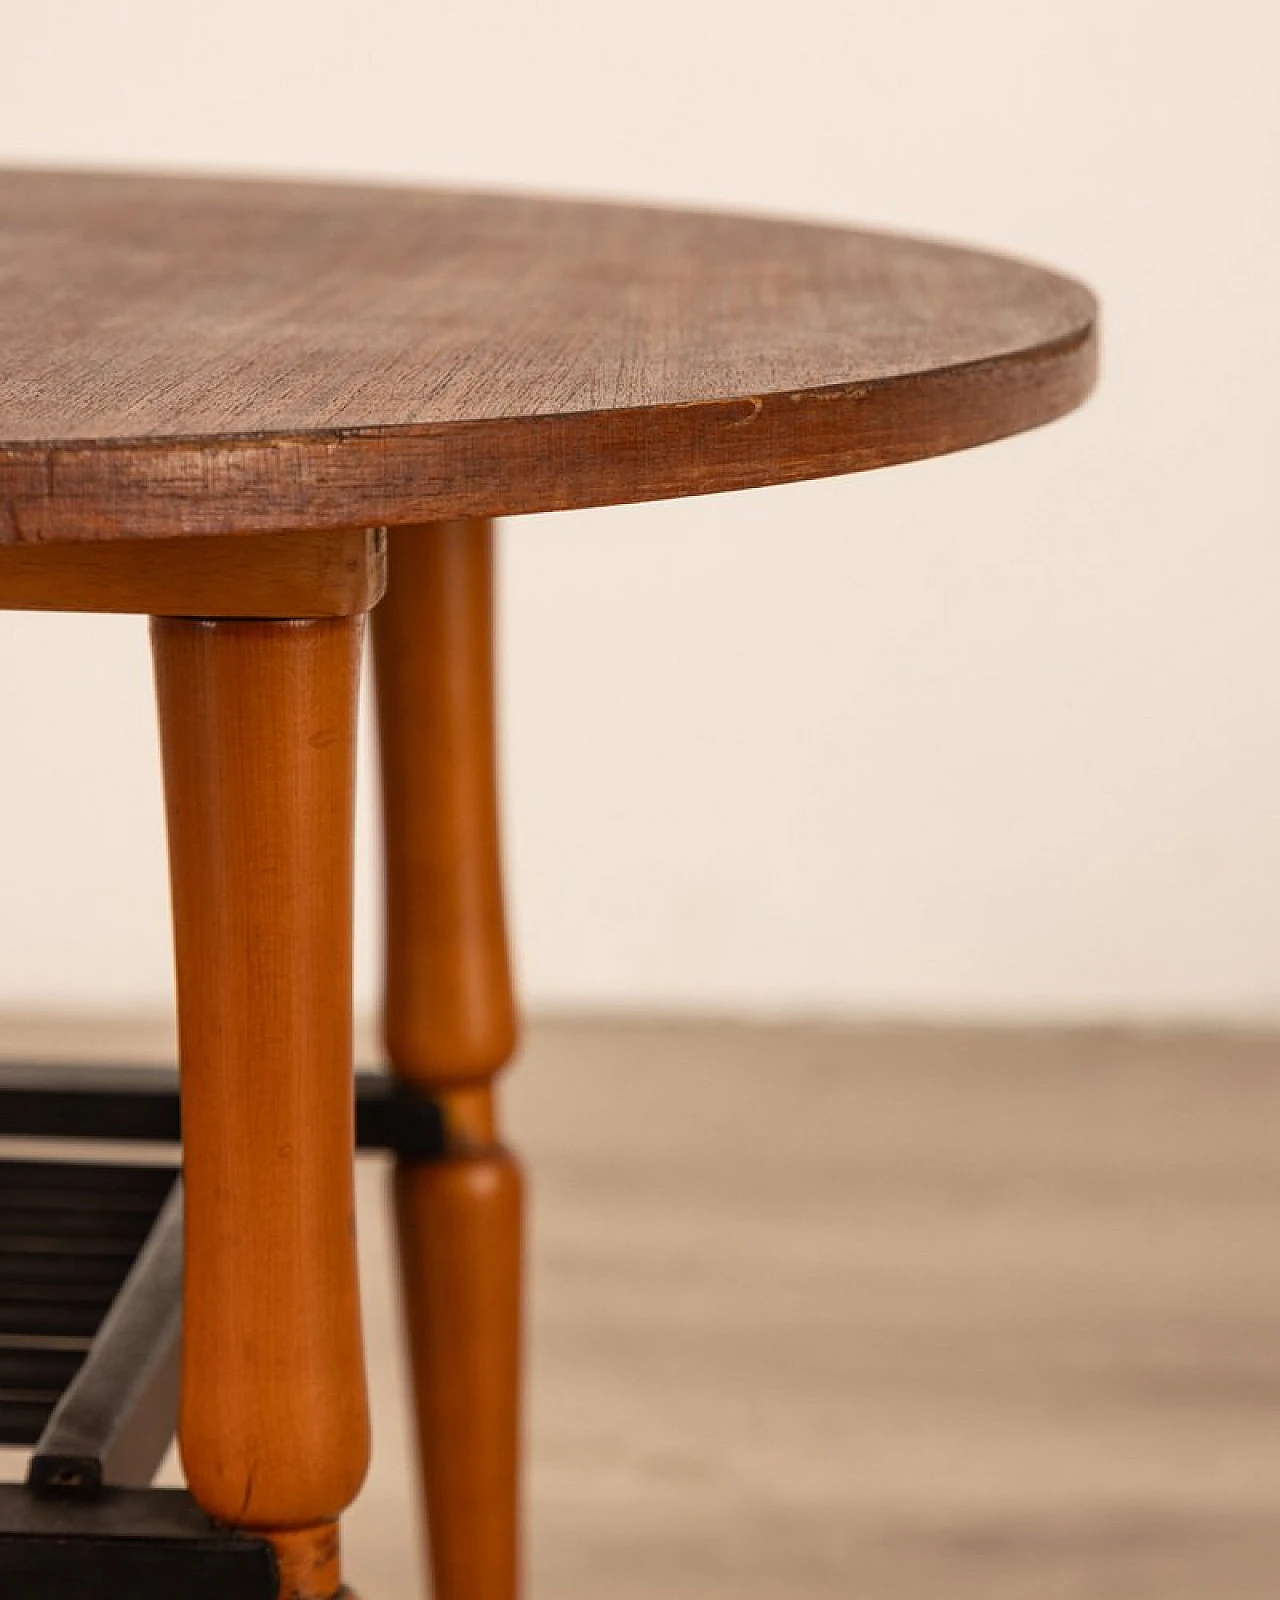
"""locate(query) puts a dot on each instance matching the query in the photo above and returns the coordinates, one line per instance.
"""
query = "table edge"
(87, 490)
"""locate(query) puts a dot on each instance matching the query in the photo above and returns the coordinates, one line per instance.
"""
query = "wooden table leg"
(257, 726)
(450, 1026)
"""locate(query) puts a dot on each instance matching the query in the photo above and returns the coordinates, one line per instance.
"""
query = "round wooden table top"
(191, 355)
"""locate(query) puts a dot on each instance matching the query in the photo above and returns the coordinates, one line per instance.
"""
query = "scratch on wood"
(852, 391)
(756, 402)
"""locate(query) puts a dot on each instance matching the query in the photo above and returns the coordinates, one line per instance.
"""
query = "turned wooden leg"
(257, 721)
(450, 1026)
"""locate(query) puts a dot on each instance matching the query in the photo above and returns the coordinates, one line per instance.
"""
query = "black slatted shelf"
(90, 1310)
(69, 1233)
(90, 1290)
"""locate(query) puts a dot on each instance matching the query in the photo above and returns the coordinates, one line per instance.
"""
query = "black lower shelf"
(90, 1311)
(69, 1234)
(125, 1544)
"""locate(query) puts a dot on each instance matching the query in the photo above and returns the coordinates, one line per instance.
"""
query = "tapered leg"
(450, 1026)
(257, 722)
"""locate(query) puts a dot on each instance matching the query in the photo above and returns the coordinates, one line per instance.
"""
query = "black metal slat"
(37, 1369)
(65, 1322)
(33, 1266)
(38, 1224)
(23, 1421)
(26, 1409)
(103, 1252)
(395, 1116)
(115, 1421)
(112, 1181)
(59, 1101)
(22, 1292)
(52, 1100)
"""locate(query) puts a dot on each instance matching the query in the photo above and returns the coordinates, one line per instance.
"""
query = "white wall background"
(998, 734)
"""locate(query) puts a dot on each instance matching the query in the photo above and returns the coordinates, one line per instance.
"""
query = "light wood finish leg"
(257, 724)
(450, 1026)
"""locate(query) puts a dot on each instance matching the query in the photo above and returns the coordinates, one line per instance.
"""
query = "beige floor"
(887, 1313)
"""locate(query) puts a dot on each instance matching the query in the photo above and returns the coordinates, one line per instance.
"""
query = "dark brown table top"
(188, 355)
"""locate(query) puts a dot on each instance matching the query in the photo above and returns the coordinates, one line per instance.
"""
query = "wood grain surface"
(460, 1229)
(257, 727)
(450, 1026)
(194, 356)
(450, 1015)
(297, 574)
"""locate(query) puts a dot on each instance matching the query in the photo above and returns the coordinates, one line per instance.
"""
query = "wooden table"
(232, 406)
